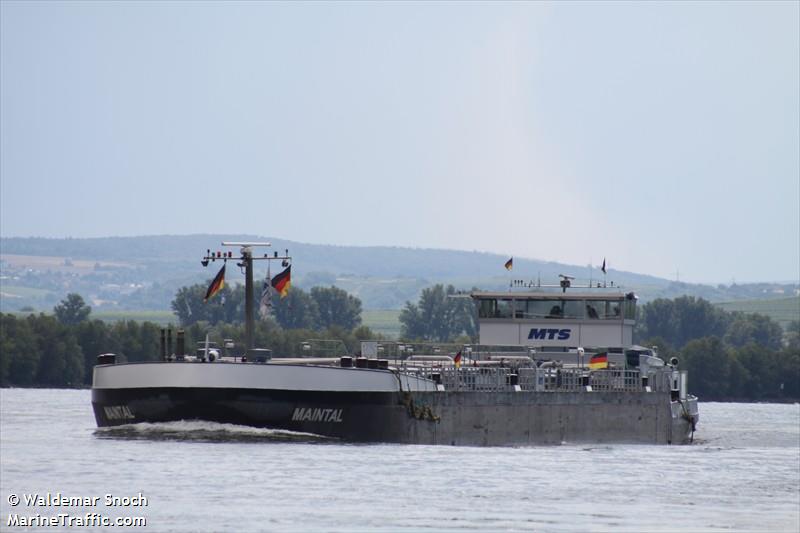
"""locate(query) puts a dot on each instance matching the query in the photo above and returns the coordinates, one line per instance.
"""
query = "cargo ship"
(553, 365)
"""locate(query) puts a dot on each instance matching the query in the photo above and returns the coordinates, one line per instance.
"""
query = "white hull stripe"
(252, 376)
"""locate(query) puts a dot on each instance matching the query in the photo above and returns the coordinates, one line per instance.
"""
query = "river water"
(741, 474)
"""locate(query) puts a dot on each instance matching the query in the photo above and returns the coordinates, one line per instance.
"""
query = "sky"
(663, 137)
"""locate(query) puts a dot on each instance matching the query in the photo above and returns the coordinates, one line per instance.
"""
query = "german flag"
(283, 281)
(509, 264)
(216, 285)
(598, 361)
(457, 360)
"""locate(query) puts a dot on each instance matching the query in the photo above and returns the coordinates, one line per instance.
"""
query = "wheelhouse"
(556, 319)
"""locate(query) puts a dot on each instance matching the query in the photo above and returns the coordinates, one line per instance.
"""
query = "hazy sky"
(662, 136)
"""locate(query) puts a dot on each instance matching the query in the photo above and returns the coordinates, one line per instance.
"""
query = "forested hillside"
(143, 273)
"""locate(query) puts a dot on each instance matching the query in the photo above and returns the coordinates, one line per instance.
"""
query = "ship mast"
(246, 260)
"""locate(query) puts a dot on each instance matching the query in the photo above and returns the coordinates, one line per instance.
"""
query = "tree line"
(729, 355)
(61, 349)
(440, 315)
(319, 309)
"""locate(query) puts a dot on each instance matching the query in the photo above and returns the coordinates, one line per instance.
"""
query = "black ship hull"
(392, 411)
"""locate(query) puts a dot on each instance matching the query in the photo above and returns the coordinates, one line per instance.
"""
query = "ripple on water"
(232, 478)
(200, 431)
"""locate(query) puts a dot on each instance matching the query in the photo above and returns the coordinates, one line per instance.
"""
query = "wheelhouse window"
(611, 309)
(491, 308)
(538, 308)
(572, 308)
(487, 309)
(505, 308)
(630, 308)
(528, 309)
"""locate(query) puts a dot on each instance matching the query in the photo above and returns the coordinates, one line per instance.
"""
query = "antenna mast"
(246, 260)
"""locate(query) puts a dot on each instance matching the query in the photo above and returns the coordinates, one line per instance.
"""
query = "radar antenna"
(566, 281)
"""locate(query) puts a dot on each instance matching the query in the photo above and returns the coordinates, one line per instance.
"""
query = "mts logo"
(549, 334)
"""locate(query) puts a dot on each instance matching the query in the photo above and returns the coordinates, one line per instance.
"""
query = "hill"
(143, 273)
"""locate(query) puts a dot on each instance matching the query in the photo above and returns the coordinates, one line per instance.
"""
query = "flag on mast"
(265, 304)
(283, 281)
(509, 264)
(457, 359)
(599, 361)
(603, 268)
(217, 284)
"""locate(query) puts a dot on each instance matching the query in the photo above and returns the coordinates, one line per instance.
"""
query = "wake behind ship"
(551, 367)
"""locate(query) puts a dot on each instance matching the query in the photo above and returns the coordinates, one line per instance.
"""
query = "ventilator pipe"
(551, 364)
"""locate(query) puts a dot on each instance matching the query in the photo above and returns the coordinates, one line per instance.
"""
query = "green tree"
(296, 311)
(94, 338)
(226, 306)
(149, 333)
(758, 369)
(793, 336)
(682, 320)
(754, 328)
(657, 319)
(775, 374)
(61, 358)
(72, 310)
(19, 353)
(438, 316)
(412, 324)
(787, 369)
(336, 308)
(137, 341)
(709, 366)
(738, 376)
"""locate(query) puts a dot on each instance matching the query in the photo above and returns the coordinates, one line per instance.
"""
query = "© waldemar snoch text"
(69, 510)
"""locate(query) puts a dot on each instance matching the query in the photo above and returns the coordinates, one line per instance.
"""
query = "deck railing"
(494, 379)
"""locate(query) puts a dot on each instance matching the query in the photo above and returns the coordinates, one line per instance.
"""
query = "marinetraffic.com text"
(54, 509)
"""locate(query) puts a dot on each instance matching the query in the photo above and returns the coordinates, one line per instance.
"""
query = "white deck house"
(556, 320)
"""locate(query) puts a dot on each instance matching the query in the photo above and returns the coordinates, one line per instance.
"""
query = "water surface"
(741, 474)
